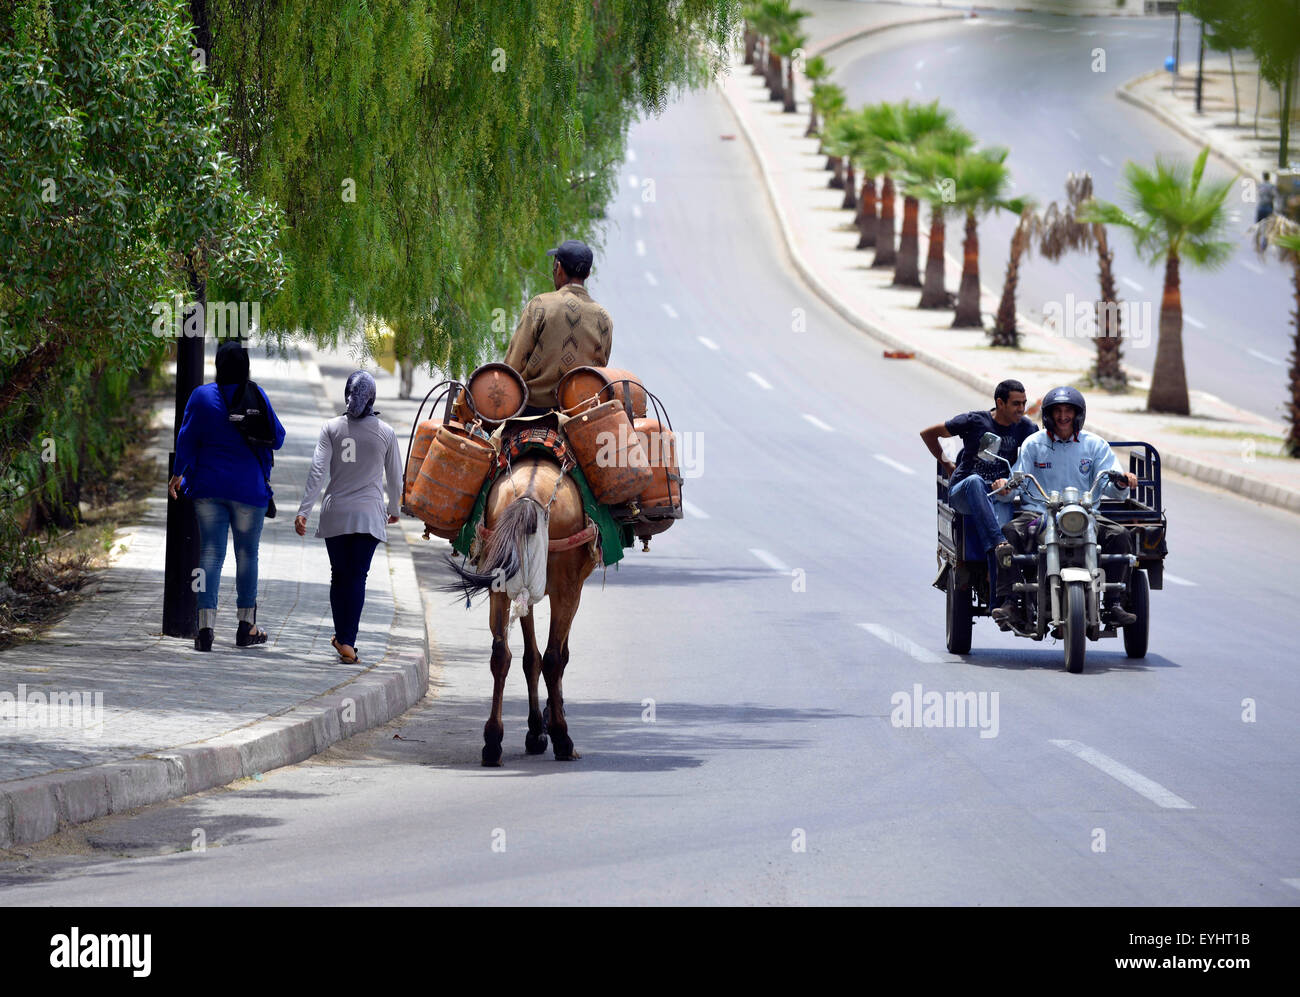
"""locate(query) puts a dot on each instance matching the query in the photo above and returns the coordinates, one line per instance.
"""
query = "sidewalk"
(1219, 444)
(176, 721)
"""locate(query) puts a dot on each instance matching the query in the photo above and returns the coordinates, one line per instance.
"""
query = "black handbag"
(238, 424)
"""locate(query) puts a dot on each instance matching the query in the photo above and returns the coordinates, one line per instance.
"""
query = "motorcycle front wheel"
(1076, 626)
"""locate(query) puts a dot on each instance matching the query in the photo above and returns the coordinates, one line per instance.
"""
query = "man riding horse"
(538, 540)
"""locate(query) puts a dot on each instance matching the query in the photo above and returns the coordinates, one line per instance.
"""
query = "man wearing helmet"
(1061, 455)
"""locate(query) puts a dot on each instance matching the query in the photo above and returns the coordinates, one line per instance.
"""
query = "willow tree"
(426, 156)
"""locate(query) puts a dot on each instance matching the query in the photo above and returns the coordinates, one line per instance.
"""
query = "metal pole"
(1200, 68)
(180, 602)
(1178, 31)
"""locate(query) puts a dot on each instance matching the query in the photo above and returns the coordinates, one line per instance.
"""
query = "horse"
(535, 491)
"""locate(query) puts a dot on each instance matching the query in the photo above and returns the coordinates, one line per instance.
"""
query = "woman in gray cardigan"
(358, 448)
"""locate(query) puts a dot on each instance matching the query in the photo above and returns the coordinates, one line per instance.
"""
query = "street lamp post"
(1200, 68)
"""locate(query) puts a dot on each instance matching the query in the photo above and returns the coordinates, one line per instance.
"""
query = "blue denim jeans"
(970, 497)
(218, 517)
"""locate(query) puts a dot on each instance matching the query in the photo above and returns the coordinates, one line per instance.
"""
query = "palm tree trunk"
(934, 294)
(907, 269)
(850, 188)
(1109, 373)
(1005, 332)
(968, 295)
(790, 106)
(812, 123)
(774, 88)
(837, 180)
(1169, 378)
(885, 252)
(866, 218)
(751, 43)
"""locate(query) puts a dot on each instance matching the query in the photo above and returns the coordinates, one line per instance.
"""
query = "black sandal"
(247, 635)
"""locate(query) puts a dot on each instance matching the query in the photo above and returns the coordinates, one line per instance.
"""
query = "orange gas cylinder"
(581, 389)
(450, 479)
(498, 391)
(609, 453)
(424, 434)
(661, 502)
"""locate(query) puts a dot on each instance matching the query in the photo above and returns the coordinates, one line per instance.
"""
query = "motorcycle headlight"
(1072, 520)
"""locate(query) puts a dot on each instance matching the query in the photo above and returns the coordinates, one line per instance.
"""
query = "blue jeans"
(970, 497)
(216, 517)
(350, 556)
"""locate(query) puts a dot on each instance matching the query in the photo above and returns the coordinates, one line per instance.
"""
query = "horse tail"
(504, 564)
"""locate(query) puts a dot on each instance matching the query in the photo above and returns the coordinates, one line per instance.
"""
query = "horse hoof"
(535, 744)
(492, 754)
(564, 749)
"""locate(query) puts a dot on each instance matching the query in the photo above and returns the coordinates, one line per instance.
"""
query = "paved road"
(1027, 82)
(772, 703)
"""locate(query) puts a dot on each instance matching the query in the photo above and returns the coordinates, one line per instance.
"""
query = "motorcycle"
(1064, 599)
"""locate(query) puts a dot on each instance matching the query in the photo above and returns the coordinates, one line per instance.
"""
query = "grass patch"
(1224, 434)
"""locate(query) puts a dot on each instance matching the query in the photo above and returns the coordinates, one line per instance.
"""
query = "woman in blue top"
(228, 481)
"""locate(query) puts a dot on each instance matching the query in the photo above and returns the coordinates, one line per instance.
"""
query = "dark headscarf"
(359, 393)
(232, 362)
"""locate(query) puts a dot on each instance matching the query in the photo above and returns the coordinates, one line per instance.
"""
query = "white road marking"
(651, 279)
(669, 310)
(632, 180)
(1135, 781)
(1058, 31)
(636, 211)
(640, 247)
(1073, 134)
(760, 381)
(893, 463)
(920, 64)
(770, 560)
(693, 510)
(1266, 358)
(818, 423)
(895, 639)
(708, 342)
(631, 155)
(1252, 267)
(1105, 161)
(1132, 283)
(1193, 322)
(1292, 882)
(1179, 580)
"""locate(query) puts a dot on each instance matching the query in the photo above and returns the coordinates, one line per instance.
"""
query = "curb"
(35, 808)
(1126, 94)
(821, 48)
(1260, 491)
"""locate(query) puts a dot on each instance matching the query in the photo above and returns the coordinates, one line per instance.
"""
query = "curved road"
(1026, 81)
(731, 692)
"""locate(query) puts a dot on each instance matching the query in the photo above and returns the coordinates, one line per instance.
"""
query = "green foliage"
(475, 137)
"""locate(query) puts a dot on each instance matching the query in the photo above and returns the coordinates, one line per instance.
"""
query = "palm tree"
(926, 174)
(916, 123)
(816, 70)
(1174, 218)
(777, 16)
(829, 100)
(979, 181)
(1284, 234)
(883, 125)
(788, 42)
(1029, 227)
(751, 33)
(1063, 232)
(846, 138)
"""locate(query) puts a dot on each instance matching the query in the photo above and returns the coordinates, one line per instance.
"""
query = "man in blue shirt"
(1061, 455)
(969, 479)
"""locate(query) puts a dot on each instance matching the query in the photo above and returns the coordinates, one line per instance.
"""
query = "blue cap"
(576, 257)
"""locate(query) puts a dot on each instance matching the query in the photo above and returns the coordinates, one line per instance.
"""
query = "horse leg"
(535, 739)
(566, 573)
(494, 730)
